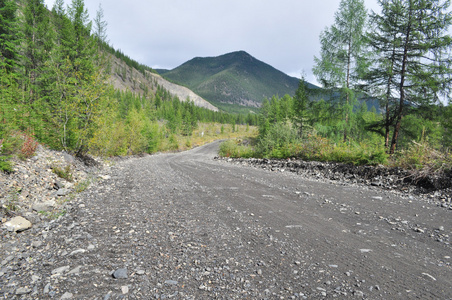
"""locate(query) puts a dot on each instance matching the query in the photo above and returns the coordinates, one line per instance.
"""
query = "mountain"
(235, 78)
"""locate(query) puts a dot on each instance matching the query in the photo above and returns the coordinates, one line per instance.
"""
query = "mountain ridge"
(232, 78)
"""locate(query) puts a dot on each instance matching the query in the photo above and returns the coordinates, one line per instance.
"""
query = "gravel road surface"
(186, 226)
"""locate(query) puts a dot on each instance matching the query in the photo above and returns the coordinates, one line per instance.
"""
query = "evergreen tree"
(37, 46)
(341, 57)
(300, 107)
(9, 38)
(100, 27)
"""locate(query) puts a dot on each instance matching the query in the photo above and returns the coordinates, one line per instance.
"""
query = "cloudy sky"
(167, 33)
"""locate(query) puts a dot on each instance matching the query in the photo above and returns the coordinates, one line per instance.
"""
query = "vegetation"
(53, 72)
(403, 61)
(235, 78)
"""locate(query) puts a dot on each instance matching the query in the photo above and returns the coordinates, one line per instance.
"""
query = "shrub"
(278, 136)
(65, 173)
(231, 148)
(422, 157)
(28, 148)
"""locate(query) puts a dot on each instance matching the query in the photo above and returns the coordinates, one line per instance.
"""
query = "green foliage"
(232, 148)
(65, 173)
(12, 200)
(231, 78)
(411, 44)
(276, 139)
(81, 186)
(9, 35)
(421, 156)
(6, 165)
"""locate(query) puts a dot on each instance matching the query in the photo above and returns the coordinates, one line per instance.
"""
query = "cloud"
(284, 34)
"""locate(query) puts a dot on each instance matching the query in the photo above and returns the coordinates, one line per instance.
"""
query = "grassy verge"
(419, 157)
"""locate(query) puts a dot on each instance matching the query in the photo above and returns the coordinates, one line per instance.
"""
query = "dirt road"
(185, 226)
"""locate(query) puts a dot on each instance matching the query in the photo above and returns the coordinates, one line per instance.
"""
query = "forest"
(54, 70)
(400, 56)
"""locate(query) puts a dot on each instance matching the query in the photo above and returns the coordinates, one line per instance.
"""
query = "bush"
(231, 148)
(275, 139)
(421, 156)
(65, 173)
(28, 148)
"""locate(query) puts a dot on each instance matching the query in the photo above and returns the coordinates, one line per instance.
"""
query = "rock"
(125, 289)
(47, 288)
(23, 291)
(62, 192)
(60, 270)
(75, 271)
(78, 251)
(43, 206)
(171, 282)
(36, 244)
(120, 274)
(141, 272)
(17, 224)
(67, 295)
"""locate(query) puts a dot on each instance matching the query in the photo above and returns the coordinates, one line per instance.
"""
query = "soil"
(187, 226)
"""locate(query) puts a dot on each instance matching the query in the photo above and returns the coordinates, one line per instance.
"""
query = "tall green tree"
(100, 27)
(9, 34)
(341, 56)
(414, 40)
(37, 46)
(300, 107)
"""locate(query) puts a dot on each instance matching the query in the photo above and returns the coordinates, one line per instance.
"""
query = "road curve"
(186, 226)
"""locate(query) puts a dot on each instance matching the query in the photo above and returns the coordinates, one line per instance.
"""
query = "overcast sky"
(167, 33)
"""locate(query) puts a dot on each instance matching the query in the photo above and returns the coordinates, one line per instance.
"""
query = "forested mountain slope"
(234, 78)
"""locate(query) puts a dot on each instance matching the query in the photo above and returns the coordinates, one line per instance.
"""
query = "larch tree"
(341, 57)
(413, 46)
(100, 27)
(300, 107)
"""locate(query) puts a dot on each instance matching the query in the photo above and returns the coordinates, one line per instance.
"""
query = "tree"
(100, 27)
(414, 39)
(37, 46)
(9, 39)
(341, 57)
(300, 106)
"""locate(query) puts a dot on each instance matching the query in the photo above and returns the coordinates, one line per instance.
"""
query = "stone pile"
(33, 190)
(438, 188)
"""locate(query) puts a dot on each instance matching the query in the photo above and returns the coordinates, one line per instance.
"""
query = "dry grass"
(206, 133)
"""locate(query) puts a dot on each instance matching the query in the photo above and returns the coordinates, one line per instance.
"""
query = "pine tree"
(341, 56)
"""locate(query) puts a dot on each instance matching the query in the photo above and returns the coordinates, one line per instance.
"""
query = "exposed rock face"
(182, 92)
(125, 78)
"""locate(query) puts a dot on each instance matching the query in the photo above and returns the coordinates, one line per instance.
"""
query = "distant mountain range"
(234, 78)
(237, 79)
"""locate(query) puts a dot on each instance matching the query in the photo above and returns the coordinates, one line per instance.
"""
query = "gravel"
(186, 226)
